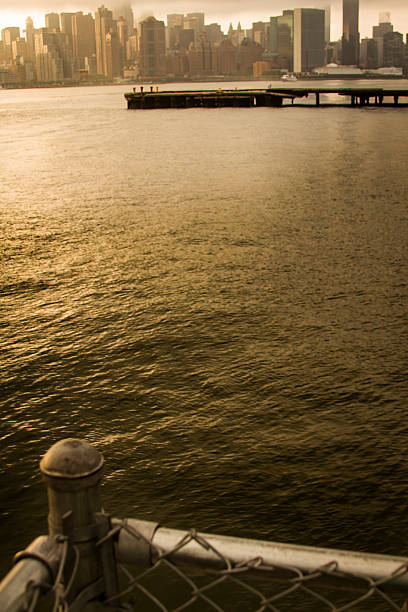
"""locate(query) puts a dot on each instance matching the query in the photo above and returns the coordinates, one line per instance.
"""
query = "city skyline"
(230, 12)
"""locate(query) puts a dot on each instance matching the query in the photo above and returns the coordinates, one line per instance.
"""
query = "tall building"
(123, 35)
(29, 33)
(394, 50)
(379, 31)
(113, 55)
(8, 35)
(49, 63)
(308, 39)
(351, 36)
(327, 24)
(125, 11)
(260, 33)
(66, 25)
(152, 47)
(175, 19)
(174, 26)
(20, 49)
(83, 37)
(273, 36)
(194, 21)
(52, 22)
(103, 25)
(55, 43)
(368, 54)
(285, 40)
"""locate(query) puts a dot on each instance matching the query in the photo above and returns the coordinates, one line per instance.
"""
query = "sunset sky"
(224, 13)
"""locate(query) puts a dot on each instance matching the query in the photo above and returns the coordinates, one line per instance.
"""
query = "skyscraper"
(285, 40)
(125, 10)
(83, 37)
(351, 36)
(52, 22)
(7, 36)
(66, 25)
(152, 47)
(308, 39)
(103, 25)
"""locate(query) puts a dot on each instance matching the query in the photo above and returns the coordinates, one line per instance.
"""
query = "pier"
(271, 97)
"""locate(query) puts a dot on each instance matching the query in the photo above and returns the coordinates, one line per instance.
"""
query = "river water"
(215, 298)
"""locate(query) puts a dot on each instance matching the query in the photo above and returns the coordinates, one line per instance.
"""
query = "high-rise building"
(327, 24)
(194, 21)
(55, 43)
(66, 25)
(175, 19)
(29, 33)
(52, 22)
(308, 39)
(393, 50)
(103, 25)
(260, 33)
(368, 53)
(273, 36)
(379, 31)
(285, 40)
(8, 35)
(125, 11)
(152, 47)
(351, 36)
(113, 55)
(20, 48)
(174, 26)
(49, 62)
(83, 37)
(123, 35)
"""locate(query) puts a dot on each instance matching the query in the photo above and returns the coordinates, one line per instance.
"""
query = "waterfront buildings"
(108, 46)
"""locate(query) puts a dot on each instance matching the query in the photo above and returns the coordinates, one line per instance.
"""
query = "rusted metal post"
(72, 470)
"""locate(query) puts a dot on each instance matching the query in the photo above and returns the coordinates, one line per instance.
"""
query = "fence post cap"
(71, 458)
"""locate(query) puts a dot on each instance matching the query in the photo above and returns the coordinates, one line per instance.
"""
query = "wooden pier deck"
(272, 97)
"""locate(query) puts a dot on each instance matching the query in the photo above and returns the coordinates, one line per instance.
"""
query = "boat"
(288, 77)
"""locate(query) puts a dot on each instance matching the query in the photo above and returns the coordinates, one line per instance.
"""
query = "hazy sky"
(246, 11)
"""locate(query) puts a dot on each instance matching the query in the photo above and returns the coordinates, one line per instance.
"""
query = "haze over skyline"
(229, 11)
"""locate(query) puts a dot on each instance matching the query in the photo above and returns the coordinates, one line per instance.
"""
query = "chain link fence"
(93, 562)
(195, 575)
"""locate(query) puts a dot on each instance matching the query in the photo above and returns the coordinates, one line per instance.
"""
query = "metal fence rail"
(90, 561)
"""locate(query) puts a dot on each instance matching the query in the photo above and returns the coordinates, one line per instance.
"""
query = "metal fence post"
(72, 470)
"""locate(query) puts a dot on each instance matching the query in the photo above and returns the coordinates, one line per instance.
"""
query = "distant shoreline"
(209, 79)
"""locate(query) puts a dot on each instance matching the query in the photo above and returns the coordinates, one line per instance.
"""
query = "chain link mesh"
(249, 586)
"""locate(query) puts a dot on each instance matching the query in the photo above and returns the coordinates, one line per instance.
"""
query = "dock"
(271, 97)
